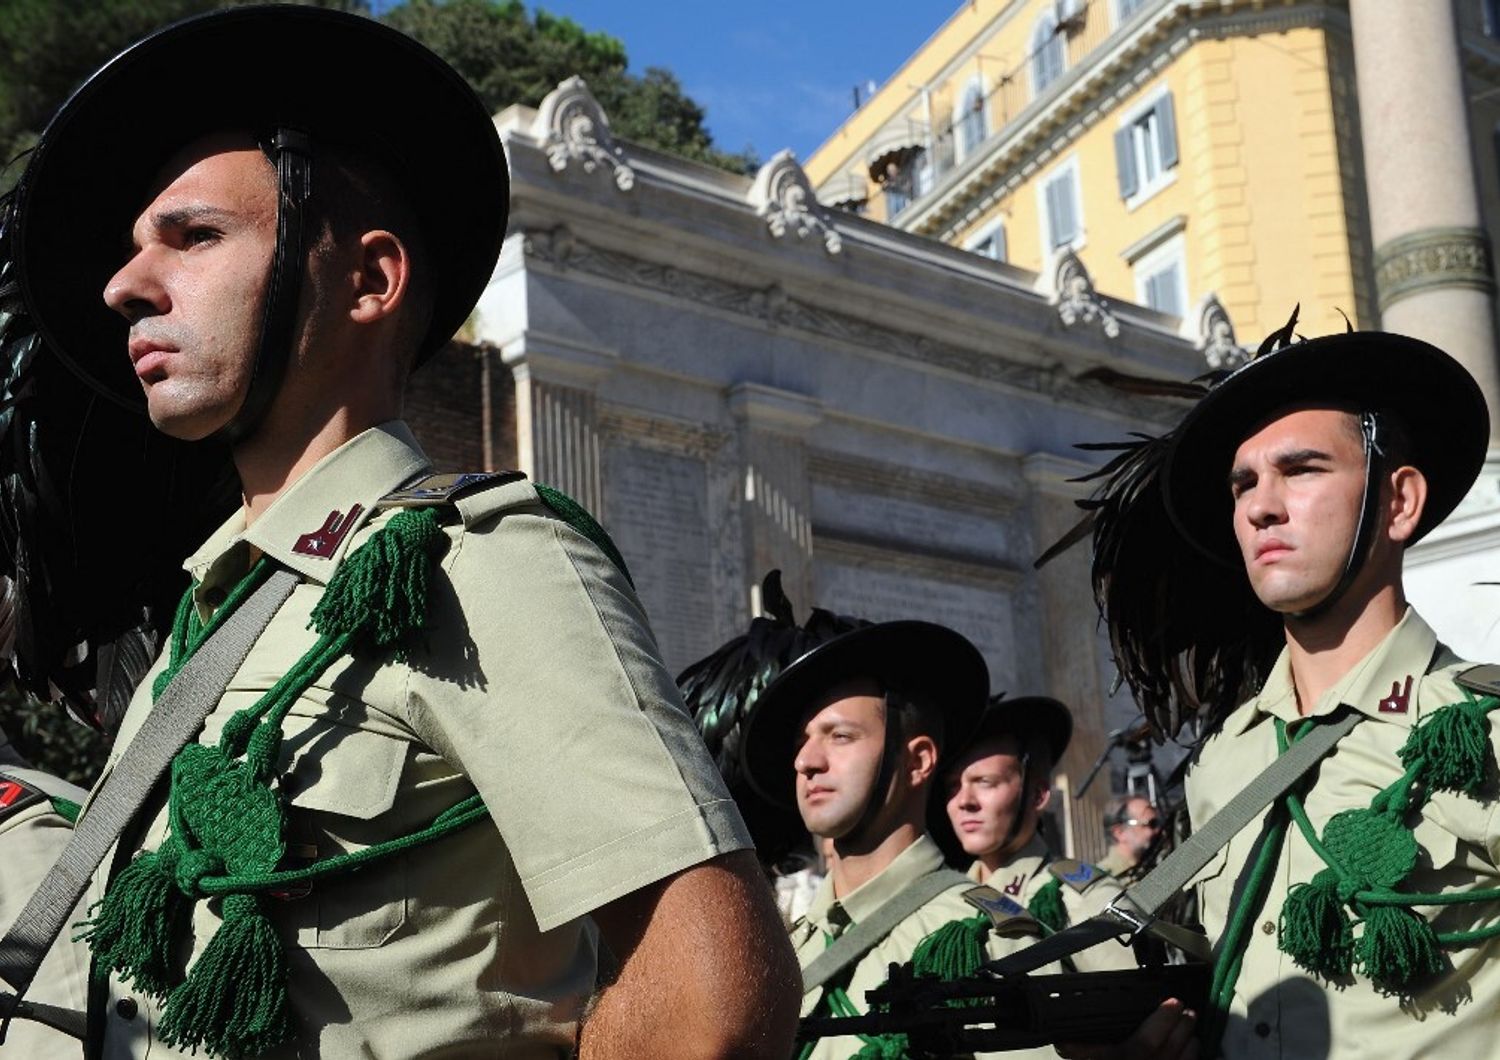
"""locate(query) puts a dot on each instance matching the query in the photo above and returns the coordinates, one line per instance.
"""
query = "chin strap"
(291, 152)
(1364, 533)
(889, 757)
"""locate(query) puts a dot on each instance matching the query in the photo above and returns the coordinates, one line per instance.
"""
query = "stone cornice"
(882, 479)
(775, 307)
(1433, 258)
(901, 557)
(1093, 89)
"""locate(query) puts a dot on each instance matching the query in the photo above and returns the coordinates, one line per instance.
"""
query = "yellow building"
(1181, 149)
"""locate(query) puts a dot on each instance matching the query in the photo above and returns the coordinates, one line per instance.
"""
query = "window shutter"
(997, 241)
(1064, 225)
(1166, 131)
(1053, 220)
(1125, 160)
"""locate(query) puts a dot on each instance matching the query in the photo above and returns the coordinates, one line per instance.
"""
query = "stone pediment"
(572, 128)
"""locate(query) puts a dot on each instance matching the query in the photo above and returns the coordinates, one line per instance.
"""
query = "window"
(905, 183)
(1161, 279)
(990, 243)
(1062, 213)
(1489, 12)
(1125, 8)
(1146, 150)
(971, 126)
(1049, 52)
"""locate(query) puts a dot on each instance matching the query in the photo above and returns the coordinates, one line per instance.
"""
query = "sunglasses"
(1154, 824)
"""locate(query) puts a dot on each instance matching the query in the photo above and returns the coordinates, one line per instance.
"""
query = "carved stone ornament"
(1216, 336)
(783, 195)
(1433, 257)
(1076, 300)
(573, 127)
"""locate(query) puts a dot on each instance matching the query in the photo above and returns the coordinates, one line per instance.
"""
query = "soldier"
(851, 735)
(460, 697)
(1133, 826)
(1250, 568)
(37, 811)
(996, 788)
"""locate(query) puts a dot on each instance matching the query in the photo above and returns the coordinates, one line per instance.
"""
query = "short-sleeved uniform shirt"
(829, 917)
(1085, 889)
(537, 684)
(1280, 1010)
(32, 835)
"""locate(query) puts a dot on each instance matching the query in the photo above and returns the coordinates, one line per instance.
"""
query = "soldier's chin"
(187, 421)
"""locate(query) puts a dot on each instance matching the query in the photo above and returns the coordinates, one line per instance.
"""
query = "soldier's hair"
(915, 714)
(355, 193)
(1395, 439)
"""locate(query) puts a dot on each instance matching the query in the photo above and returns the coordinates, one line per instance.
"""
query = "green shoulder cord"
(953, 951)
(226, 822)
(1370, 852)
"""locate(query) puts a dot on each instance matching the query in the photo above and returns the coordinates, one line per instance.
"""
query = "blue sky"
(769, 76)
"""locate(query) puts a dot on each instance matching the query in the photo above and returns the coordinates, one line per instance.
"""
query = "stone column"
(556, 419)
(776, 498)
(1070, 643)
(1433, 273)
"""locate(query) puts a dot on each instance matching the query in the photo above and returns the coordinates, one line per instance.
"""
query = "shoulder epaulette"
(1010, 918)
(432, 491)
(1079, 875)
(1484, 679)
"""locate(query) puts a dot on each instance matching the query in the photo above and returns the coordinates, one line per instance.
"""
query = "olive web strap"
(178, 714)
(1135, 910)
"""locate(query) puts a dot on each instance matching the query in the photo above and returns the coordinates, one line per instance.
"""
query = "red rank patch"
(15, 795)
(1015, 885)
(324, 541)
(1396, 702)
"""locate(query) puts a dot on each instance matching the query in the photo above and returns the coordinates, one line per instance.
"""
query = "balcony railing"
(1063, 37)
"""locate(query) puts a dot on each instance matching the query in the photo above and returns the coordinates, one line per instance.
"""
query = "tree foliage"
(47, 47)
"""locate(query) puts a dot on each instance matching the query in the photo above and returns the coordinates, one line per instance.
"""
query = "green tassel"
(381, 588)
(884, 1047)
(1315, 929)
(954, 950)
(1455, 741)
(1398, 947)
(134, 928)
(234, 1001)
(1046, 906)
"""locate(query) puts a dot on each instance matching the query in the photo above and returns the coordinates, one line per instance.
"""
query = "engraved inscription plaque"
(658, 515)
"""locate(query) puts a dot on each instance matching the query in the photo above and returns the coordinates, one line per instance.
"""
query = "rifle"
(987, 1012)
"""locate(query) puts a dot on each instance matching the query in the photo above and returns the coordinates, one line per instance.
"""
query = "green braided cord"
(188, 632)
(67, 809)
(578, 517)
(1369, 852)
(451, 820)
(1046, 906)
(1236, 937)
(227, 824)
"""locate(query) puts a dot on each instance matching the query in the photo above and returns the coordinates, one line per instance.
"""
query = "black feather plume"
(97, 512)
(1188, 635)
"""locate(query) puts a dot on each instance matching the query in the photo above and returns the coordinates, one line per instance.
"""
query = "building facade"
(737, 378)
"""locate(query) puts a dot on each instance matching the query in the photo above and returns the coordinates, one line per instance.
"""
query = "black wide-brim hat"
(252, 69)
(915, 658)
(1434, 397)
(1023, 717)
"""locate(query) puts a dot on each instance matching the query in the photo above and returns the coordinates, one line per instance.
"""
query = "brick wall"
(444, 406)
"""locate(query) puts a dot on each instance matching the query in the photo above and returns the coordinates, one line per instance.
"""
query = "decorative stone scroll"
(1216, 336)
(1076, 300)
(573, 127)
(783, 195)
(1433, 257)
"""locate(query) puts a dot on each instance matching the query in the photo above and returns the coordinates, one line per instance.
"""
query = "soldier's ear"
(1043, 796)
(1408, 499)
(922, 758)
(381, 277)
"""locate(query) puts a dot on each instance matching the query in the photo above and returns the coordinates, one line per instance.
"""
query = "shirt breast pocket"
(342, 783)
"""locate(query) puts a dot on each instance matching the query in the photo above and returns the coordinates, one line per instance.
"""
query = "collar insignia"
(992, 902)
(1082, 874)
(1015, 885)
(1396, 702)
(15, 795)
(324, 541)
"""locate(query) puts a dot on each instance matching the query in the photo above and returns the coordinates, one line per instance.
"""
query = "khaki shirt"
(1086, 890)
(1279, 1010)
(539, 686)
(32, 835)
(831, 916)
(1115, 863)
